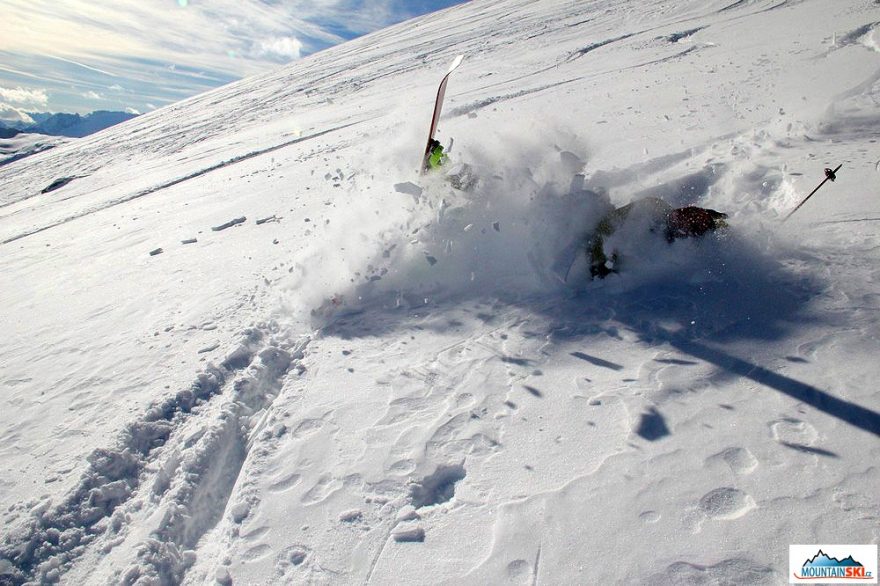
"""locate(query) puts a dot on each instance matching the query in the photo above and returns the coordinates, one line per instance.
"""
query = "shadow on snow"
(726, 292)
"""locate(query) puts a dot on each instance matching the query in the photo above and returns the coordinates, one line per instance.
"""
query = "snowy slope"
(385, 381)
(24, 145)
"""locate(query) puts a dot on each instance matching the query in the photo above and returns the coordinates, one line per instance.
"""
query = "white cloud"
(83, 65)
(132, 111)
(281, 48)
(24, 96)
(116, 88)
(200, 35)
(10, 113)
(128, 34)
(92, 95)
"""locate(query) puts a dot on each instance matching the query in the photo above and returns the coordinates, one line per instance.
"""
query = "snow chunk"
(240, 511)
(351, 516)
(409, 535)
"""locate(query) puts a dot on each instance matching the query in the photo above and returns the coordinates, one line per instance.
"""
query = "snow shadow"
(846, 411)
(736, 293)
(749, 298)
(436, 488)
(720, 291)
(722, 297)
(652, 425)
(597, 361)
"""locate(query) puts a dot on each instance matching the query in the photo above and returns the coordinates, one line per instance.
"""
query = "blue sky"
(138, 55)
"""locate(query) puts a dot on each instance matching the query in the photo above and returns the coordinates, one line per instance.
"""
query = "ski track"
(177, 464)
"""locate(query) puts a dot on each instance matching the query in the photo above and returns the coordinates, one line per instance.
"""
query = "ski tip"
(455, 63)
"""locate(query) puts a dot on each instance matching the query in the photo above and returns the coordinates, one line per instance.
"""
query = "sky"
(139, 55)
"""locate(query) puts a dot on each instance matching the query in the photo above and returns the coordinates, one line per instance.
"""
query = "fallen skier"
(652, 215)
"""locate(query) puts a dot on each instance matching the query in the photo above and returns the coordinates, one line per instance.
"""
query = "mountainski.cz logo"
(832, 564)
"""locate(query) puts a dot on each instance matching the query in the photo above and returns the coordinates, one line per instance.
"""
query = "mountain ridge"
(69, 125)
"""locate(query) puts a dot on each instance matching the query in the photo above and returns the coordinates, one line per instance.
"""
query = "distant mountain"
(71, 125)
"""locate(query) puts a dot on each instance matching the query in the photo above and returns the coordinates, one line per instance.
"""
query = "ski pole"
(829, 174)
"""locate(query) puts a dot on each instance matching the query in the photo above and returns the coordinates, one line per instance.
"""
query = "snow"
(387, 381)
(25, 144)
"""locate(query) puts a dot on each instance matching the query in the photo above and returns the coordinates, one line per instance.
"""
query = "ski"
(438, 106)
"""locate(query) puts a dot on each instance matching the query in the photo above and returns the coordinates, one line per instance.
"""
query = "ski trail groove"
(173, 182)
(375, 560)
(537, 567)
(177, 462)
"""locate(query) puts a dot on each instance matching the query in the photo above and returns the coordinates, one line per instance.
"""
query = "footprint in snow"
(290, 557)
(307, 427)
(284, 484)
(402, 467)
(798, 435)
(740, 460)
(256, 553)
(256, 534)
(793, 431)
(323, 489)
(726, 503)
(519, 570)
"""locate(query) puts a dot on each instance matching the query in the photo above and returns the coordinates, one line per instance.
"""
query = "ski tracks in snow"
(142, 506)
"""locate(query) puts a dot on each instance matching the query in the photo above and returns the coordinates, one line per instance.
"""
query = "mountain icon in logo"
(822, 559)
